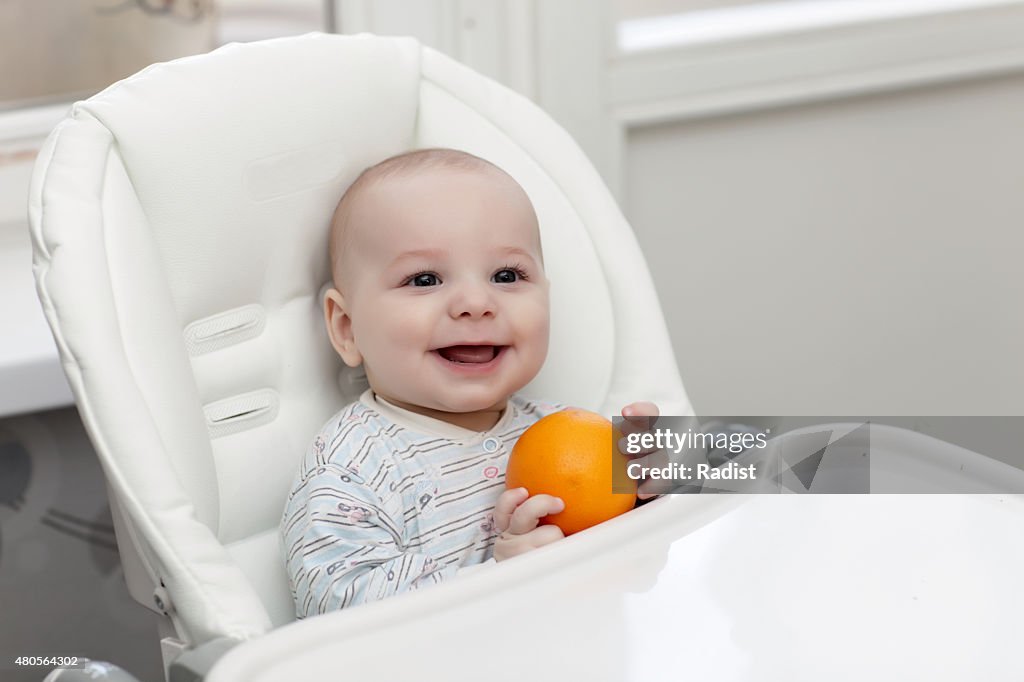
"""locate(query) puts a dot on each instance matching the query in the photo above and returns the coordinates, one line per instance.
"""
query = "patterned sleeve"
(343, 548)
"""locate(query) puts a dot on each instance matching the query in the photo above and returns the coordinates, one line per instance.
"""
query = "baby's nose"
(473, 300)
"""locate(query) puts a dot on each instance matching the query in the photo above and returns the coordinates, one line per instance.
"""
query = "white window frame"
(600, 79)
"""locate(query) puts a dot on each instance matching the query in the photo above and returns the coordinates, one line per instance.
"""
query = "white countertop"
(31, 377)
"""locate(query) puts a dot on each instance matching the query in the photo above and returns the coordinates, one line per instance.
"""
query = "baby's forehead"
(415, 197)
(382, 211)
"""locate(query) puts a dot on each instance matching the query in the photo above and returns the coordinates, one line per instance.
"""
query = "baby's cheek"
(411, 329)
(391, 323)
(535, 321)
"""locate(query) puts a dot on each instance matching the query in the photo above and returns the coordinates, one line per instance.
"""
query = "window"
(62, 50)
(638, 9)
(656, 24)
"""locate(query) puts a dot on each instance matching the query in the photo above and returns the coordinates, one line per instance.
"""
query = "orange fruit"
(572, 455)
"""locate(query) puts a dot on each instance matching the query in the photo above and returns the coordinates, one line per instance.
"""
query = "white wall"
(858, 256)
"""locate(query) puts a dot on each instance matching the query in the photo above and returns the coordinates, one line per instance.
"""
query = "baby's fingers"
(527, 515)
(506, 505)
(514, 545)
(638, 447)
(652, 488)
(544, 535)
(639, 416)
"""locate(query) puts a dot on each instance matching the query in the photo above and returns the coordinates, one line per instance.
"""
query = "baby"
(440, 294)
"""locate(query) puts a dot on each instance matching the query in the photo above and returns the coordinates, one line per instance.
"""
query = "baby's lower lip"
(471, 367)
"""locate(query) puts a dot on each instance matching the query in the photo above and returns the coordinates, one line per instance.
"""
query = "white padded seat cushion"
(180, 221)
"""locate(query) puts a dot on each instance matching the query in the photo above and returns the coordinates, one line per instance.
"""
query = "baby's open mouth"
(469, 354)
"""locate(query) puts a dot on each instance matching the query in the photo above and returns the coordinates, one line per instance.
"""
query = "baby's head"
(439, 285)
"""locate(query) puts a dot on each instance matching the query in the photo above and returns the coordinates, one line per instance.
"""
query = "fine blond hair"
(395, 166)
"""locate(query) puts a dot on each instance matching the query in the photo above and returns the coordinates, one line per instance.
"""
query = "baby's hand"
(516, 515)
(640, 417)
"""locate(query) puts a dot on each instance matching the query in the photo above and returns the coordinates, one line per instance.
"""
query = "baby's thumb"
(507, 503)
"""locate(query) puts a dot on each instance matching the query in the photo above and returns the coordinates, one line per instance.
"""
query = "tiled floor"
(61, 587)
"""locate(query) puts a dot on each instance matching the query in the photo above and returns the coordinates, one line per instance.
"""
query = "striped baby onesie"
(387, 501)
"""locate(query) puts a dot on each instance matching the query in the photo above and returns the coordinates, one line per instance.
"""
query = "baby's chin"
(459, 404)
(470, 404)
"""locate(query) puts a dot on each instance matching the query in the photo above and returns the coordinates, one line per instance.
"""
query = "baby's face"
(445, 290)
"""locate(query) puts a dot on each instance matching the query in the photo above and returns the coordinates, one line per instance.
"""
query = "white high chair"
(179, 229)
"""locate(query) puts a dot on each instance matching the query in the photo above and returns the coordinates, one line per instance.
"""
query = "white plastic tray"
(722, 587)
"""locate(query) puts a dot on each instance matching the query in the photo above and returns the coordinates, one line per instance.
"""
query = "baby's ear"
(339, 328)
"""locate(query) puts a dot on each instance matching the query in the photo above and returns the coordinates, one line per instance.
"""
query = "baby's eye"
(509, 275)
(424, 279)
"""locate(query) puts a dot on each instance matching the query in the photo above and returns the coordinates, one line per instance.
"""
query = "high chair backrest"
(179, 221)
